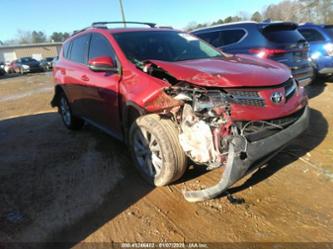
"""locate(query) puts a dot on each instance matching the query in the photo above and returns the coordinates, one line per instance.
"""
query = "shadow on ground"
(61, 186)
(318, 86)
(58, 185)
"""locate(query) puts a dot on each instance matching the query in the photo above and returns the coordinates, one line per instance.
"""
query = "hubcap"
(65, 111)
(147, 152)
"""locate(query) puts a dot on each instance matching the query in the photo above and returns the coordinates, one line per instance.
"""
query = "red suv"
(173, 97)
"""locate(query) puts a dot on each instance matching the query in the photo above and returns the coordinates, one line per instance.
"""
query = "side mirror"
(102, 64)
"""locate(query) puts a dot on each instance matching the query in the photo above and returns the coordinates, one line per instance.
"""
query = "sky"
(68, 15)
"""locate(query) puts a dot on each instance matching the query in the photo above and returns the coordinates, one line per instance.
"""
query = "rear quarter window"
(223, 37)
(65, 49)
(311, 35)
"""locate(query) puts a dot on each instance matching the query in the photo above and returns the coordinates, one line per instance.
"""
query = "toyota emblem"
(276, 97)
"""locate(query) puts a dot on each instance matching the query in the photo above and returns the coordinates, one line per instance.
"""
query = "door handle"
(84, 78)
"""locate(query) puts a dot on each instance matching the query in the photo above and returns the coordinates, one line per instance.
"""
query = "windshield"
(329, 32)
(163, 45)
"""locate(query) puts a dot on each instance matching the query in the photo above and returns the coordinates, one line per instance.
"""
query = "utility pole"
(122, 12)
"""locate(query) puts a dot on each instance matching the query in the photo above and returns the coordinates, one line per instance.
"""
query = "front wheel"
(70, 121)
(156, 151)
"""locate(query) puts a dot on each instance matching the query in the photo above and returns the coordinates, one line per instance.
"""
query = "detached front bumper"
(245, 157)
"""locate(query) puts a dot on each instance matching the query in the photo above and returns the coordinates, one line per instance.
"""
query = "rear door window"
(100, 46)
(79, 49)
(223, 38)
(311, 35)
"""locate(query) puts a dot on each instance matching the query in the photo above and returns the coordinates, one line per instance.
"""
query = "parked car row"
(320, 38)
(27, 65)
(307, 49)
(2, 68)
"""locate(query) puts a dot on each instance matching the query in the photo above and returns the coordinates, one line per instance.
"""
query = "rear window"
(311, 35)
(281, 34)
(223, 38)
(329, 31)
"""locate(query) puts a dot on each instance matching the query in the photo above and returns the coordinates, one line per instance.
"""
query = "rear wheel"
(156, 151)
(70, 121)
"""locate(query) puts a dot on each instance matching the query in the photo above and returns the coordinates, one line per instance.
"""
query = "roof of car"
(124, 30)
(309, 24)
(231, 24)
(225, 24)
(103, 26)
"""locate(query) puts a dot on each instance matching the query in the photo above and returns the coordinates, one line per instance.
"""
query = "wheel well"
(132, 115)
(57, 92)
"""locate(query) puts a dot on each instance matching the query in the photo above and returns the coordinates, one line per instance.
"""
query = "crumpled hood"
(231, 71)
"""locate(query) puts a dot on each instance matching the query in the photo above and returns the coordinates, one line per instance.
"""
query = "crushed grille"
(244, 97)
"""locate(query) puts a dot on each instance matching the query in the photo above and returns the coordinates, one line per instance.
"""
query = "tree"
(257, 17)
(66, 36)
(228, 19)
(220, 21)
(38, 37)
(23, 37)
(193, 25)
(59, 36)
(316, 11)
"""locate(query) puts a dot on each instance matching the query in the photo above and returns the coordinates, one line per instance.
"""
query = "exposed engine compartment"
(205, 123)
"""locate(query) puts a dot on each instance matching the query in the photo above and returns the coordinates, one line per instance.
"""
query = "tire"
(167, 162)
(70, 121)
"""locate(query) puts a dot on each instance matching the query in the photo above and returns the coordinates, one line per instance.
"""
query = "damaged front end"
(209, 135)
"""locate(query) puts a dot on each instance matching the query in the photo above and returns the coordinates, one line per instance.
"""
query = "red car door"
(101, 89)
(75, 70)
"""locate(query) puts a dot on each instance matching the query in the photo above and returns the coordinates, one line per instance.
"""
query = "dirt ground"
(58, 185)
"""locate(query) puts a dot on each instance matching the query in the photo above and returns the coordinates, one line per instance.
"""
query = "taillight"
(266, 52)
(329, 48)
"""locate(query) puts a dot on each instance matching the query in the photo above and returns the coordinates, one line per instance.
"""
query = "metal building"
(38, 51)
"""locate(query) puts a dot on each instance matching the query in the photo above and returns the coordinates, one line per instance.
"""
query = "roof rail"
(164, 27)
(99, 24)
(103, 25)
